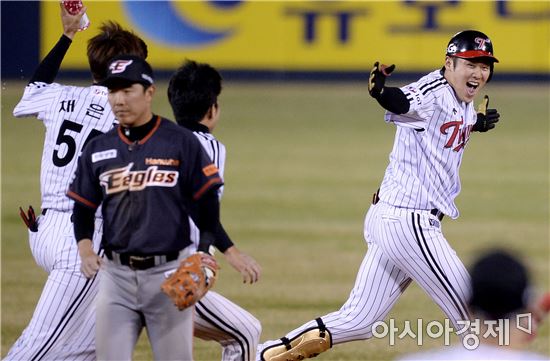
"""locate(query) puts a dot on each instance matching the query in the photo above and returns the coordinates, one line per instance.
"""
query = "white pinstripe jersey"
(216, 152)
(72, 116)
(423, 172)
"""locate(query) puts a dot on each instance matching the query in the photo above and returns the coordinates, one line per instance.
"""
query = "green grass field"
(303, 161)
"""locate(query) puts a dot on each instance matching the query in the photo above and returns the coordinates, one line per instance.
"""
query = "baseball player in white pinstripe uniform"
(193, 93)
(62, 326)
(434, 117)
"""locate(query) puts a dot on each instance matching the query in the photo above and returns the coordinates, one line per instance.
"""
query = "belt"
(141, 262)
(436, 212)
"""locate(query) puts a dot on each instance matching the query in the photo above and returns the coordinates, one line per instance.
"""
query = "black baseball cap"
(125, 70)
(500, 285)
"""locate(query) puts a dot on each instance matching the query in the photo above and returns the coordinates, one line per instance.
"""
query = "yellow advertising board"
(316, 35)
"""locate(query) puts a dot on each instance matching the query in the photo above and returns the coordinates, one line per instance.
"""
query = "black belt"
(436, 212)
(141, 262)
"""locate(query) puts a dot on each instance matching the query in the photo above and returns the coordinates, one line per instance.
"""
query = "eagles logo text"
(123, 179)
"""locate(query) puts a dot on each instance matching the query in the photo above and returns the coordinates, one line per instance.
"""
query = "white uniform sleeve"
(421, 101)
(36, 99)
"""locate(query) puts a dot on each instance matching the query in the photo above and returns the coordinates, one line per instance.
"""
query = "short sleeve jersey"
(72, 116)
(423, 172)
(144, 187)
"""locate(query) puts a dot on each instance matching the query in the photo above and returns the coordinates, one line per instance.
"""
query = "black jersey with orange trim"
(144, 187)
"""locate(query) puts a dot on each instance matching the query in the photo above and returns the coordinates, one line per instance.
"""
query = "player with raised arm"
(434, 118)
(62, 326)
(193, 94)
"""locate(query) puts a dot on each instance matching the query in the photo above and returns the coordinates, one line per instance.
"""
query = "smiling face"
(132, 104)
(467, 76)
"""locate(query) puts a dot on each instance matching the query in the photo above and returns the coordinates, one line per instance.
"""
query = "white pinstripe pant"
(404, 245)
(63, 323)
(218, 319)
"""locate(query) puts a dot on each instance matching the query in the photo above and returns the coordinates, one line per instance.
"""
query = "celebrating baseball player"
(505, 313)
(62, 326)
(193, 93)
(434, 119)
(144, 174)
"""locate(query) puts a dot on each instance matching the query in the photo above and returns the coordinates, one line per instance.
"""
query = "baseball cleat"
(309, 343)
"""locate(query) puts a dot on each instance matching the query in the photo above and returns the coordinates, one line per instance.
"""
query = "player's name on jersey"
(93, 110)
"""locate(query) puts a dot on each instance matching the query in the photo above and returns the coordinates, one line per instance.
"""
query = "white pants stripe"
(403, 245)
(218, 319)
(62, 326)
(454, 296)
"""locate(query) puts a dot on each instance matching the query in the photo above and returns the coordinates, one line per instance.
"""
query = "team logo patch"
(451, 49)
(210, 170)
(481, 43)
(106, 154)
(119, 66)
(124, 179)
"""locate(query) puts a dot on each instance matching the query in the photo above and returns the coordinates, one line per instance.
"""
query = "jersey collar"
(146, 137)
(197, 127)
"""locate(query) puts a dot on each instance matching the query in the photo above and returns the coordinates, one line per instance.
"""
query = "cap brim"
(116, 82)
(471, 54)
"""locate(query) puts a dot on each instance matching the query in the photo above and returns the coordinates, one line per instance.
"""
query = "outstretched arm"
(244, 264)
(49, 66)
(241, 262)
(390, 98)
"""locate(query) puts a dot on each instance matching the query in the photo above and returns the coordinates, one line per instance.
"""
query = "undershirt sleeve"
(49, 66)
(83, 221)
(394, 100)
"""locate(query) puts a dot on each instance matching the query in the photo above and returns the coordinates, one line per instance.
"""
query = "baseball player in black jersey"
(143, 173)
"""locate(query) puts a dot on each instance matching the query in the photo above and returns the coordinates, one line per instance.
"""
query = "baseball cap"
(500, 285)
(125, 70)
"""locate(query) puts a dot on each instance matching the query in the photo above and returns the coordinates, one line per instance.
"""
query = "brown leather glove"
(191, 280)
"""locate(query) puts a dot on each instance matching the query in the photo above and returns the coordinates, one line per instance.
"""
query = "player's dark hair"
(192, 90)
(112, 40)
(500, 285)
